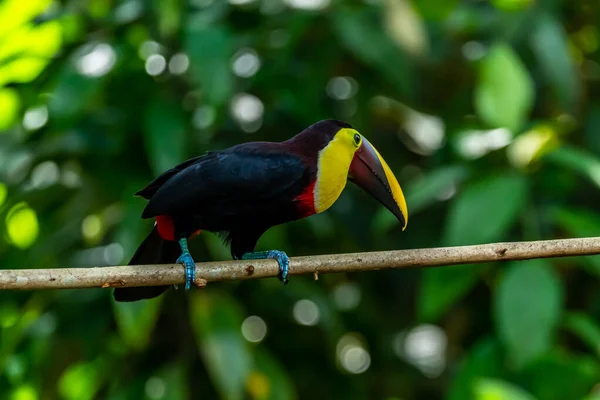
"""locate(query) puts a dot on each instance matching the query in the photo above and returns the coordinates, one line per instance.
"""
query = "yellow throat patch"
(332, 172)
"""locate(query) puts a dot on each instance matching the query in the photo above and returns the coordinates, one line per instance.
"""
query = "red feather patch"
(306, 201)
(166, 229)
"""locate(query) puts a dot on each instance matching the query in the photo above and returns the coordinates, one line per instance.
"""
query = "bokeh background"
(487, 111)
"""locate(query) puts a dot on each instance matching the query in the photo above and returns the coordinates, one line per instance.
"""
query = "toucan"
(244, 190)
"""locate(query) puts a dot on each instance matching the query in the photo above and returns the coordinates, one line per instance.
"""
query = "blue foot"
(188, 262)
(282, 259)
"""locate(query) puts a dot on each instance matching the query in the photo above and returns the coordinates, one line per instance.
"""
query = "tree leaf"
(486, 210)
(580, 223)
(165, 135)
(269, 380)
(216, 320)
(577, 160)
(210, 50)
(560, 375)
(495, 389)
(505, 94)
(484, 360)
(136, 320)
(585, 327)
(550, 45)
(527, 309)
(442, 287)
(362, 35)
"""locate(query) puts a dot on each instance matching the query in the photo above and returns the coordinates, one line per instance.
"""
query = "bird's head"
(344, 154)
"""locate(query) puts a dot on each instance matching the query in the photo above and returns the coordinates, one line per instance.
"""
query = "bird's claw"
(190, 268)
(282, 259)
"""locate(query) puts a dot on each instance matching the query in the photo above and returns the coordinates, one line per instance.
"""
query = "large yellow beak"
(370, 172)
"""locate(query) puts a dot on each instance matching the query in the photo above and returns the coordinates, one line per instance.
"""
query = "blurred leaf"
(9, 104)
(279, 384)
(560, 376)
(24, 392)
(169, 12)
(495, 202)
(442, 287)
(532, 145)
(511, 5)
(505, 94)
(16, 12)
(136, 321)
(580, 223)
(216, 320)
(79, 381)
(405, 26)
(585, 327)
(484, 360)
(210, 50)
(174, 383)
(578, 160)
(550, 45)
(165, 134)
(437, 10)
(494, 389)
(71, 94)
(527, 309)
(362, 35)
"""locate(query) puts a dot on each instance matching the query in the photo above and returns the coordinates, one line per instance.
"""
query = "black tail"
(153, 250)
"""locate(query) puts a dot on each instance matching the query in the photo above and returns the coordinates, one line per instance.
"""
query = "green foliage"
(487, 112)
(528, 308)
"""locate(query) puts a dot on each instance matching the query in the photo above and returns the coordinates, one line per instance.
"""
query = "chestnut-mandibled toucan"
(246, 189)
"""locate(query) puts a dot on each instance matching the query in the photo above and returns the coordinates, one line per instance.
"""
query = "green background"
(487, 111)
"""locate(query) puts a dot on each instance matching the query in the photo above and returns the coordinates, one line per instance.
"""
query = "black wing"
(229, 180)
(153, 186)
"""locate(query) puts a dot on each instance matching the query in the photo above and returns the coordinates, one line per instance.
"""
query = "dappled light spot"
(98, 61)
(254, 329)
(245, 63)
(155, 388)
(531, 145)
(204, 117)
(248, 110)
(425, 347)
(78, 381)
(35, 118)
(473, 50)
(341, 87)
(352, 355)
(346, 295)
(473, 144)
(258, 385)
(155, 64)
(308, 4)
(179, 63)
(24, 392)
(148, 48)
(306, 312)
(91, 227)
(45, 174)
(113, 253)
(9, 108)
(22, 225)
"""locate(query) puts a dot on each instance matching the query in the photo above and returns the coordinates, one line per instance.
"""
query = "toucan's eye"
(356, 139)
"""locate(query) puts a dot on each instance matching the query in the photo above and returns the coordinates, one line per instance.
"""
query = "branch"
(170, 274)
